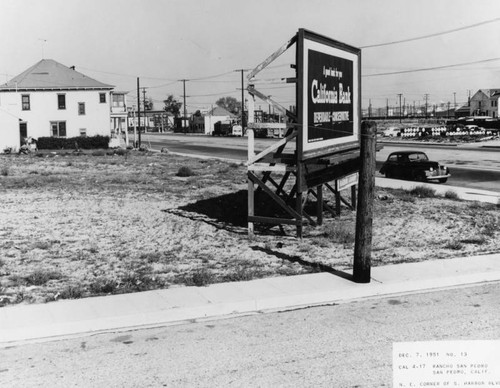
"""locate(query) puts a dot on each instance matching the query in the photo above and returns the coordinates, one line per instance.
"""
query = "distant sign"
(330, 93)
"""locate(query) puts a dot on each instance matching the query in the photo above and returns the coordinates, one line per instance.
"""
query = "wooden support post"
(364, 214)
(319, 208)
(337, 202)
(353, 197)
(251, 189)
(298, 197)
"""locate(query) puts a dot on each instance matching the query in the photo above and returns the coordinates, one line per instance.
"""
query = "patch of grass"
(151, 257)
(488, 225)
(450, 194)
(199, 277)
(39, 277)
(242, 273)
(103, 285)
(185, 171)
(455, 245)
(72, 292)
(478, 240)
(423, 192)
(137, 281)
(5, 171)
(340, 233)
(44, 245)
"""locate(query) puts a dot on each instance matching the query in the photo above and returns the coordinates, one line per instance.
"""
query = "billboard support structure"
(321, 143)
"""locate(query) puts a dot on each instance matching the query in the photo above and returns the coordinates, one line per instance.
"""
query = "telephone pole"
(242, 100)
(426, 96)
(400, 112)
(138, 112)
(185, 108)
(144, 105)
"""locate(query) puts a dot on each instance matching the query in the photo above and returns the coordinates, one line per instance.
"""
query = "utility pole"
(364, 212)
(426, 96)
(144, 105)
(448, 112)
(242, 101)
(185, 108)
(454, 100)
(400, 106)
(386, 107)
(139, 111)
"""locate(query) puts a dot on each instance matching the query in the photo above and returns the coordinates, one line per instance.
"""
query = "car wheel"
(443, 180)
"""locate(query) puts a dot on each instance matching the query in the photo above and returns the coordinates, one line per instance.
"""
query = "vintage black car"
(414, 165)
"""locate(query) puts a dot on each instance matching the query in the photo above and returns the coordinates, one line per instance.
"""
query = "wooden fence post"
(364, 213)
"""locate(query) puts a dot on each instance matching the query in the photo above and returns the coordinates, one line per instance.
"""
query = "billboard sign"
(328, 93)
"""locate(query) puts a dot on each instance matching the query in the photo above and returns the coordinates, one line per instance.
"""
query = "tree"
(229, 103)
(172, 106)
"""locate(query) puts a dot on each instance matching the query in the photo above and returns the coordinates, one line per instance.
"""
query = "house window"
(58, 128)
(102, 98)
(61, 101)
(81, 108)
(118, 100)
(83, 131)
(25, 99)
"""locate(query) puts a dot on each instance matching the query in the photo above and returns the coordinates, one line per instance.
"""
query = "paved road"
(347, 345)
(471, 166)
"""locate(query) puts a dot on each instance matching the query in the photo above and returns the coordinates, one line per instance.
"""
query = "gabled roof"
(490, 92)
(48, 74)
(219, 111)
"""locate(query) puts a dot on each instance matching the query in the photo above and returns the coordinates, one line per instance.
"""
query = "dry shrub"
(423, 192)
(185, 172)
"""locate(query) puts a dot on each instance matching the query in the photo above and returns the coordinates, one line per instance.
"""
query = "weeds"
(455, 245)
(102, 285)
(423, 192)
(72, 292)
(199, 277)
(450, 194)
(340, 233)
(185, 172)
(44, 245)
(39, 277)
(487, 225)
(5, 171)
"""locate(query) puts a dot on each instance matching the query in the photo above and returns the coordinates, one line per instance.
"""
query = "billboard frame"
(308, 168)
(308, 41)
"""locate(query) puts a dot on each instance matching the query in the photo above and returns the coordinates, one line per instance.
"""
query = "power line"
(431, 68)
(432, 35)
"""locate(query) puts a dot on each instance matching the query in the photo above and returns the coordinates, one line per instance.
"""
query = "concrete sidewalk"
(71, 318)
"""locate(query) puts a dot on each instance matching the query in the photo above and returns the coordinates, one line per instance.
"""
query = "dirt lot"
(74, 226)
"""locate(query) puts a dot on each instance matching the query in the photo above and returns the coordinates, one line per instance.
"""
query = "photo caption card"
(446, 364)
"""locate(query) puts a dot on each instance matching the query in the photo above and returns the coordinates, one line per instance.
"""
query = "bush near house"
(71, 143)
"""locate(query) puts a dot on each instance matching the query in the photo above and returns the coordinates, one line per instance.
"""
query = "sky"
(208, 42)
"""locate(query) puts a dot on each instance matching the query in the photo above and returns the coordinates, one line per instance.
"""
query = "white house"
(217, 114)
(50, 99)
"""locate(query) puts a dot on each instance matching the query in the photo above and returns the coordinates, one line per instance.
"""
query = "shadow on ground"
(230, 211)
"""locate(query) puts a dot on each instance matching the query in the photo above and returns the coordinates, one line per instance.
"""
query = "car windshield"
(417, 157)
